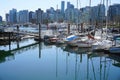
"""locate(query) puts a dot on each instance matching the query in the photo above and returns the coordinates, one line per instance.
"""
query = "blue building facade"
(98, 13)
(39, 16)
(114, 13)
(30, 16)
(7, 17)
(62, 7)
(70, 14)
(0, 18)
(13, 16)
(23, 16)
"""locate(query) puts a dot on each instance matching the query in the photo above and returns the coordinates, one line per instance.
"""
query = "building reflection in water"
(6, 56)
(103, 66)
(40, 50)
(10, 54)
(81, 62)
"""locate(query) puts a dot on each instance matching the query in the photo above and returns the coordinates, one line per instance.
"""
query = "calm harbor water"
(51, 62)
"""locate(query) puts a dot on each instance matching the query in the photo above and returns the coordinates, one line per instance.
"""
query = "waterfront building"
(59, 16)
(7, 17)
(62, 7)
(77, 15)
(39, 17)
(70, 13)
(23, 16)
(0, 18)
(51, 14)
(31, 16)
(97, 13)
(114, 13)
(18, 17)
(68, 5)
(34, 17)
(45, 18)
(12, 16)
(91, 15)
(85, 15)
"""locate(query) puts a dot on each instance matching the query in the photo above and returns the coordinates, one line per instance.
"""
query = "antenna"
(77, 4)
(103, 1)
(110, 2)
(106, 15)
(90, 3)
(80, 3)
(57, 12)
(90, 12)
(57, 6)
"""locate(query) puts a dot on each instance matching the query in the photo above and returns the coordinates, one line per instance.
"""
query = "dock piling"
(39, 31)
(68, 28)
(9, 42)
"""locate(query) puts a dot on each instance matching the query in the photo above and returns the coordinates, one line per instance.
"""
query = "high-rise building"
(62, 6)
(70, 13)
(68, 5)
(59, 17)
(97, 13)
(34, 17)
(7, 18)
(12, 16)
(30, 16)
(23, 16)
(85, 14)
(18, 17)
(114, 13)
(39, 13)
(51, 14)
(0, 18)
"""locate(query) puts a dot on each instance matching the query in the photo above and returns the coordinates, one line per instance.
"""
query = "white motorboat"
(102, 45)
(87, 43)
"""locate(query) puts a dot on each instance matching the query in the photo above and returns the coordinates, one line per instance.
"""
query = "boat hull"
(114, 50)
(84, 45)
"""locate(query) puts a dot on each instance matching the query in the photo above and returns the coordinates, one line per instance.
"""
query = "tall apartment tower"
(39, 13)
(68, 5)
(62, 6)
(7, 17)
(0, 18)
(23, 16)
(12, 16)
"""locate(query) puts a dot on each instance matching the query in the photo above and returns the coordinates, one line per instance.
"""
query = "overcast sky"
(32, 5)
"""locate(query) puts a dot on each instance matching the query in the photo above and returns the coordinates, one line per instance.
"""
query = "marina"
(34, 60)
(96, 39)
(38, 61)
(74, 40)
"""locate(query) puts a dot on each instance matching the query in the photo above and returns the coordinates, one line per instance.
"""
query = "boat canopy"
(71, 38)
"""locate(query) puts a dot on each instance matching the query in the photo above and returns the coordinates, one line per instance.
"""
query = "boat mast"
(77, 16)
(77, 4)
(90, 12)
(106, 16)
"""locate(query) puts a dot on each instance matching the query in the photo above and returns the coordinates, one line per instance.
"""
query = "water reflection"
(40, 50)
(77, 50)
(116, 60)
(6, 56)
(10, 54)
(60, 63)
(98, 64)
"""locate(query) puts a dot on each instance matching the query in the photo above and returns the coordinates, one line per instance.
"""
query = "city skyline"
(35, 4)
